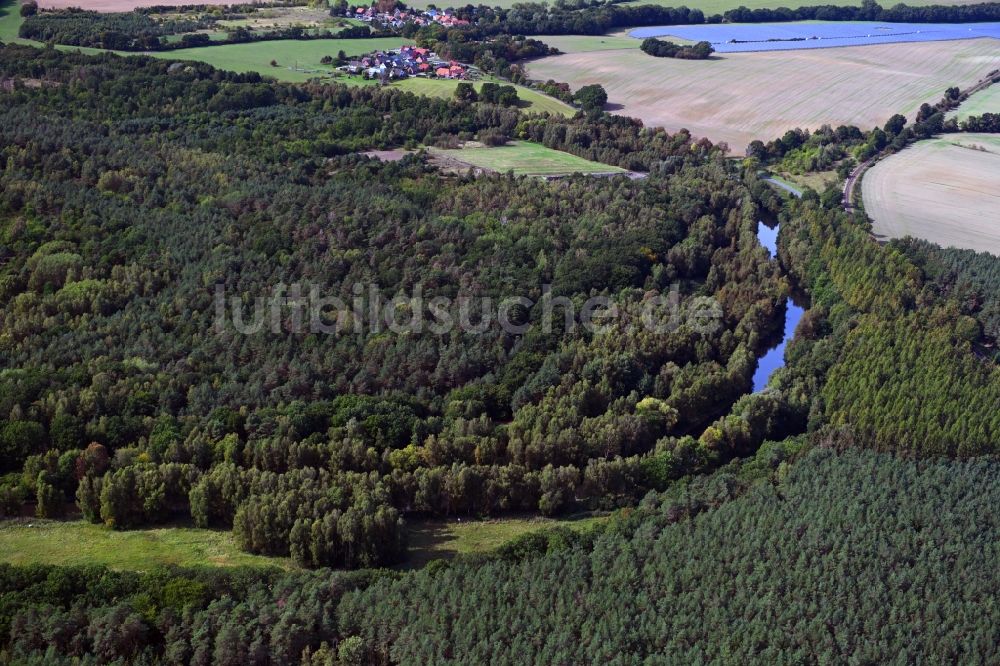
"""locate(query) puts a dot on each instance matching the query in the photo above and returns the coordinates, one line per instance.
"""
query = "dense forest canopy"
(830, 558)
(135, 193)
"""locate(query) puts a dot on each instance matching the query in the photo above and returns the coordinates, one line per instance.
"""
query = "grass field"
(984, 101)
(443, 539)
(945, 190)
(71, 543)
(744, 96)
(10, 21)
(297, 60)
(77, 542)
(527, 159)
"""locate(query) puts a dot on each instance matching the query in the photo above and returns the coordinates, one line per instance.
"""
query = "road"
(853, 180)
(855, 177)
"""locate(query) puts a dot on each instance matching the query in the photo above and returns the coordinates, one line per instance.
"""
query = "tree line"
(663, 49)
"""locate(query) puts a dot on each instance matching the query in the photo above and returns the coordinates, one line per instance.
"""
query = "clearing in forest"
(524, 158)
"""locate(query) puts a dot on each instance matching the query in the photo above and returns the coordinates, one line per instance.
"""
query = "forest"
(704, 572)
(118, 386)
(804, 523)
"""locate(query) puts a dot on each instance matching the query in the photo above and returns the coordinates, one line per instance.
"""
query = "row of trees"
(587, 18)
(145, 30)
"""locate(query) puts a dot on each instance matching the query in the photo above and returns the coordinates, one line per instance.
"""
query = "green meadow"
(70, 543)
(77, 542)
(527, 159)
(984, 101)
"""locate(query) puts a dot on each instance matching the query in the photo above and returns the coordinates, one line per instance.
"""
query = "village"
(407, 61)
(399, 17)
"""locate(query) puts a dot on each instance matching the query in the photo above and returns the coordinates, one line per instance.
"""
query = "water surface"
(740, 37)
(774, 358)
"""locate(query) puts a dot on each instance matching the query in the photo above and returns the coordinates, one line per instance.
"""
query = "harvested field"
(523, 158)
(744, 96)
(945, 190)
(984, 101)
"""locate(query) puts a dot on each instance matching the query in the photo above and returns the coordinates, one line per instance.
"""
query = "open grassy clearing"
(945, 190)
(77, 542)
(984, 101)
(816, 180)
(443, 539)
(70, 543)
(744, 96)
(525, 159)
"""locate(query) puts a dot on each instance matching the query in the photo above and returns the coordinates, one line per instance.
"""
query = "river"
(774, 357)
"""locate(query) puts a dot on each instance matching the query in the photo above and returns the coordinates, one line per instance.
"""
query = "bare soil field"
(945, 190)
(744, 96)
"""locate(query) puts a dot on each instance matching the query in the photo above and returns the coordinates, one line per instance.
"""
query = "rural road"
(853, 180)
(855, 177)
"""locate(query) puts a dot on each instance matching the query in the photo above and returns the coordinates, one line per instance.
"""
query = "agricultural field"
(984, 101)
(744, 96)
(78, 542)
(524, 159)
(587, 43)
(945, 190)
